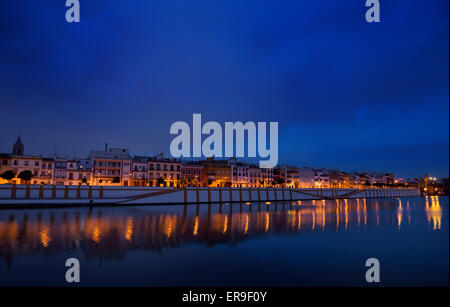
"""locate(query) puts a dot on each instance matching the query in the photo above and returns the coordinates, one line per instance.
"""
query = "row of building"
(116, 167)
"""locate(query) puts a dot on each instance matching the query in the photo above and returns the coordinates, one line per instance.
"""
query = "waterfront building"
(306, 177)
(192, 174)
(84, 163)
(26, 163)
(60, 171)
(5, 162)
(388, 178)
(217, 173)
(79, 177)
(356, 181)
(77, 174)
(337, 179)
(5, 165)
(255, 178)
(164, 171)
(46, 171)
(279, 178)
(139, 171)
(321, 179)
(267, 176)
(290, 174)
(367, 178)
(239, 173)
(111, 166)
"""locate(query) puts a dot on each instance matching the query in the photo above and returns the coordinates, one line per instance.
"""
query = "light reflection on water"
(110, 233)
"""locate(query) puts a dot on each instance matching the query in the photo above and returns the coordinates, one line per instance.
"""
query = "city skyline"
(249, 161)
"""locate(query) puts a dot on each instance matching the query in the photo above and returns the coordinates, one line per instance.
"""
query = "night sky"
(347, 94)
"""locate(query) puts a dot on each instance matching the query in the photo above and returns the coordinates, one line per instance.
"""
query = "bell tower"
(18, 148)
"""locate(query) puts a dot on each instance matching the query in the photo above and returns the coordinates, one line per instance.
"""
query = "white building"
(239, 173)
(139, 169)
(321, 179)
(111, 167)
(166, 169)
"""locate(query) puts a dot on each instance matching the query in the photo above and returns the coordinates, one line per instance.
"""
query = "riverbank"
(53, 195)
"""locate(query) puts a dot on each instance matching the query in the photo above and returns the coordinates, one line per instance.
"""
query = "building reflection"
(434, 211)
(106, 234)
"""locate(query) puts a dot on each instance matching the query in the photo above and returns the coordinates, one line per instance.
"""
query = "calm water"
(281, 244)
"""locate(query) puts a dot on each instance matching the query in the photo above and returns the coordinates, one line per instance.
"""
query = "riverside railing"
(190, 194)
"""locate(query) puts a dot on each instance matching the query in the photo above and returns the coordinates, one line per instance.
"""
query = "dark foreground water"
(280, 244)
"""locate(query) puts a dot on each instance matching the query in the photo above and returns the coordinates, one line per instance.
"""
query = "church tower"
(18, 148)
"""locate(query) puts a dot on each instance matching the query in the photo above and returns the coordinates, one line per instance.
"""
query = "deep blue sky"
(347, 94)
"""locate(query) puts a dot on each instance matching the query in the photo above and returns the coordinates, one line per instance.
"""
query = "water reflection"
(433, 211)
(111, 232)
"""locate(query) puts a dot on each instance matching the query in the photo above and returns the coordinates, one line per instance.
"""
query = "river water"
(308, 243)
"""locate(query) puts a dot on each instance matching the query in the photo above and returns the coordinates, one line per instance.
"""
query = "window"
(36, 163)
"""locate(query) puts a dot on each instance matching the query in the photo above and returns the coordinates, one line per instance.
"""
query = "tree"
(181, 182)
(210, 181)
(280, 181)
(160, 181)
(367, 184)
(25, 175)
(84, 180)
(8, 175)
(116, 179)
(194, 181)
